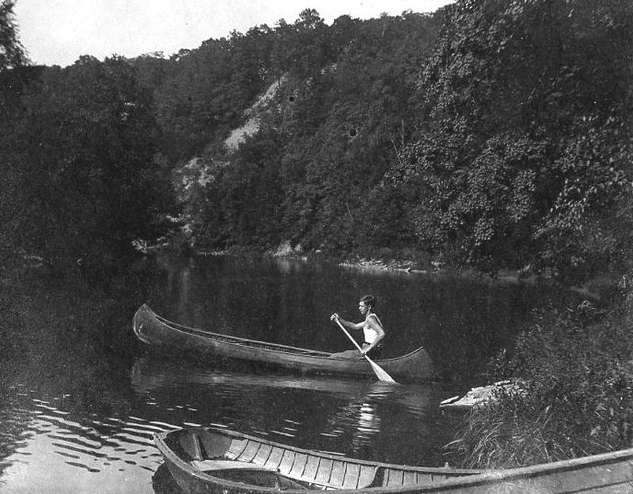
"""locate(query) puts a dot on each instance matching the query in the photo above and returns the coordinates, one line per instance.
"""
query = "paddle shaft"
(381, 374)
(349, 336)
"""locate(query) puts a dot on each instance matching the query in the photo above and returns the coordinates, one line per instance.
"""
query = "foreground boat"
(158, 332)
(208, 460)
(217, 460)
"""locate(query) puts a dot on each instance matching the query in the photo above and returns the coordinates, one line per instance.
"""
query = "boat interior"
(259, 463)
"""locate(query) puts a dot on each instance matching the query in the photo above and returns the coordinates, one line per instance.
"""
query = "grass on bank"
(577, 369)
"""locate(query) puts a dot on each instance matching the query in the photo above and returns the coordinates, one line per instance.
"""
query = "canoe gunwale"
(230, 339)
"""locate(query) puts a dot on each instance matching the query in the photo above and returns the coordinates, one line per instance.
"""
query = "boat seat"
(209, 465)
(373, 480)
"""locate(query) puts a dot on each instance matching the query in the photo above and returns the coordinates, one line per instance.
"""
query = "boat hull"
(205, 460)
(216, 348)
(196, 458)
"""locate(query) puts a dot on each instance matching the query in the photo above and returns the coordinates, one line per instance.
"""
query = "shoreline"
(599, 289)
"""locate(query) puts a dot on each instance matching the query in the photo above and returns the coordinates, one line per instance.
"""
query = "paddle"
(381, 374)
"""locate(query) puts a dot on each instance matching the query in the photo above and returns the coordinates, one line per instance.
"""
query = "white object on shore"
(480, 396)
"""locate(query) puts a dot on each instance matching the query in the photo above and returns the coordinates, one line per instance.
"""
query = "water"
(89, 428)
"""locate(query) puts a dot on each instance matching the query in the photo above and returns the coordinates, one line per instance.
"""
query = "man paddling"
(371, 326)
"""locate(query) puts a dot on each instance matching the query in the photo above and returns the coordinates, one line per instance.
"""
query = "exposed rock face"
(251, 126)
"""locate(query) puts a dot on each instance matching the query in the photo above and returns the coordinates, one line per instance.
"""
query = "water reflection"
(151, 373)
(362, 417)
(81, 415)
(460, 321)
(58, 452)
(58, 442)
(351, 417)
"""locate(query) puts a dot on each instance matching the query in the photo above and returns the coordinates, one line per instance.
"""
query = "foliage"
(242, 200)
(13, 77)
(577, 393)
(326, 135)
(492, 134)
(90, 181)
(200, 94)
(11, 50)
(524, 136)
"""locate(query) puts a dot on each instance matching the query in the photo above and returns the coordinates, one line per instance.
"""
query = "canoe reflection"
(364, 418)
(151, 373)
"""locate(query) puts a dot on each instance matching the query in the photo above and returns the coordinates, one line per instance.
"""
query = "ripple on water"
(43, 438)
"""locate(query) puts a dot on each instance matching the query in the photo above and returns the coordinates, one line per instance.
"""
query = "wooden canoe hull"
(213, 460)
(161, 333)
(190, 454)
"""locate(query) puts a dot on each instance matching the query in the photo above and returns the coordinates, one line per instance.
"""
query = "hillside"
(324, 97)
(490, 135)
(487, 135)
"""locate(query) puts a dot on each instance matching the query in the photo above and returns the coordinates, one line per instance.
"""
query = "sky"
(57, 32)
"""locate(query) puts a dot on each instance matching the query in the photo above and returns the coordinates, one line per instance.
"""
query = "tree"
(13, 78)
(302, 48)
(11, 51)
(512, 97)
(90, 178)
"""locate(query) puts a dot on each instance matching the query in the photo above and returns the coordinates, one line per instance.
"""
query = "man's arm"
(347, 324)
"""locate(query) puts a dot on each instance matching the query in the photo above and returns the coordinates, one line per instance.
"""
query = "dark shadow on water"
(360, 418)
(461, 321)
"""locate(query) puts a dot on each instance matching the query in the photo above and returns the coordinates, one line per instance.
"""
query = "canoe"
(207, 459)
(160, 333)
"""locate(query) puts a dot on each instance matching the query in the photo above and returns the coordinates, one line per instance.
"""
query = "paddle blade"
(381, 373)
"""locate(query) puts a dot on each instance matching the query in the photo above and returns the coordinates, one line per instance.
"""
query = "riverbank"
(602, 289)
(576, 398)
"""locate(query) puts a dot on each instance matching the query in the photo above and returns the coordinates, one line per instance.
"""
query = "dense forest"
(490, 135)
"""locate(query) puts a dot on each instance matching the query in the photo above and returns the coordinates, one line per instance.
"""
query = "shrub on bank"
(577, 367)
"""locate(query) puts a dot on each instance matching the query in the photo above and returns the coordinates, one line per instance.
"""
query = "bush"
(577, 399)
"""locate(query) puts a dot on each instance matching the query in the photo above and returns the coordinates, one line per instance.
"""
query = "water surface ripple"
(89, 427)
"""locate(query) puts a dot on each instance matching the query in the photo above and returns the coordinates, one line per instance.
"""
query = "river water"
(95, 435)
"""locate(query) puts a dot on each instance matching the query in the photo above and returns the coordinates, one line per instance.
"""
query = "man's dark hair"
(370, 300)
